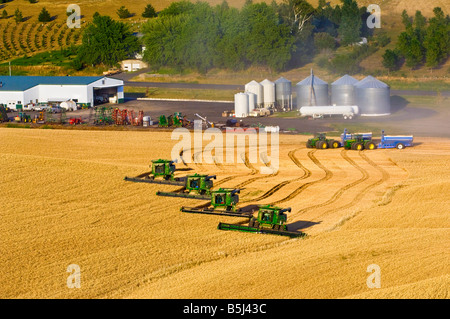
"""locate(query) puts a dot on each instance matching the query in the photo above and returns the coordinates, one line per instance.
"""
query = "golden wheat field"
(64, 201)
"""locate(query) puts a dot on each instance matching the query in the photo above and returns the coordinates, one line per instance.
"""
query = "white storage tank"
(252, 101)
(269, 93)
(256, 88)
(69, 105)
(241, 107)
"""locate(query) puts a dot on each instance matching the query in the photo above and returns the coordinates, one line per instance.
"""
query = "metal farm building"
(16, 91)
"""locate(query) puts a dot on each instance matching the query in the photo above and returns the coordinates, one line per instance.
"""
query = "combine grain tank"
(256, 88)
(269, 93)
(343, 91)
(373, 97)
(283, 94)
(312, 91)
(241, 106)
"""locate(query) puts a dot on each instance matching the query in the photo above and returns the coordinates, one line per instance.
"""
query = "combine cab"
(270, 220)
(223, 203)
(320, 141)
(162, 173)
(196, 187)
(399, 142)
(357, 141)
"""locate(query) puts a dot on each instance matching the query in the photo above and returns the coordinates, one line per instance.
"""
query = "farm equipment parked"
(357, 141)
(270, 220)
(175, 120)
(196, 187)
(162, 173)
(320, 141)
(399, 142)
(23, 117)
(39, 119)
(75, 121)
(3, 114)
(223, 203)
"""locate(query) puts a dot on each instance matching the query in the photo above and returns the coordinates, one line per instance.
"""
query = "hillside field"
(64, 201)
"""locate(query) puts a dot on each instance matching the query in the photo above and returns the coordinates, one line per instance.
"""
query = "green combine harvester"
(320, 141)
(162, 173)
(195, 187)
(223, 203)
(270, 220)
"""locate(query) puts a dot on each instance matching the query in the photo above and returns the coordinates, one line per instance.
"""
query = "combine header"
(223, 203)
(162, 173)
(195, 186)
(270, 220)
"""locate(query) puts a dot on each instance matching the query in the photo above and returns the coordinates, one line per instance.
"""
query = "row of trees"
(422, 42)
(44, 15)
(198, 36)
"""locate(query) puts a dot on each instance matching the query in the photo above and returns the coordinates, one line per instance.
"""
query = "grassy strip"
(200, 94)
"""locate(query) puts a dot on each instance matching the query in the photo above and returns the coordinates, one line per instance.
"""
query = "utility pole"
(9, 68)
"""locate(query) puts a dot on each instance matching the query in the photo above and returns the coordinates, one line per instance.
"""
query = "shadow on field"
(301, 224)
(398, 103)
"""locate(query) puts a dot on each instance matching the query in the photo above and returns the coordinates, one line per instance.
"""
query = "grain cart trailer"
(399, 142)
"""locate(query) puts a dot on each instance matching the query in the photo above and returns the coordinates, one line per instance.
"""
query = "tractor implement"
(218, 212)
(176, 182)
(270, 220)
(259, 230)
(183, 195)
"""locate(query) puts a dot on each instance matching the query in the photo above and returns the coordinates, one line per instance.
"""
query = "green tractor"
(320, 141)
(270, 220)
(163, 121)
(162, 173)
(196, 186)
(357, 141)
(223, 202)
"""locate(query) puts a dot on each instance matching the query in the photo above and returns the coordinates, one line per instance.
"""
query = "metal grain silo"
(373, 97)
(343, 91)
(241, 108)
(269, 93)
(312, 91)
(283, 93)
(256, 88)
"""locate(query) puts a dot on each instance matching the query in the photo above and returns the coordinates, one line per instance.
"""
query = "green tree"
(123, 12)
(437, 39)
(149, 12)
(44, 16)
(18, 16)
(391, 60)
(106, 41)
(350, 24)
(409, 43)
(4, 14)
(324, 41)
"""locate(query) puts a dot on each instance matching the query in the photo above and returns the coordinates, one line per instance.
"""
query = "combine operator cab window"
(266, 216)
(194, 183)
(220, 199)
(159, 169)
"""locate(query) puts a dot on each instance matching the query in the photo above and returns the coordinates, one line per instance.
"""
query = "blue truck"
(399, 142)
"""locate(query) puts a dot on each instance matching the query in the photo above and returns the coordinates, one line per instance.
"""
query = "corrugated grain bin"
(312, 91)
(373, 97)
(343, 91)
(283, 93)
(256, 88)
(241, 108)
(269, 93)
